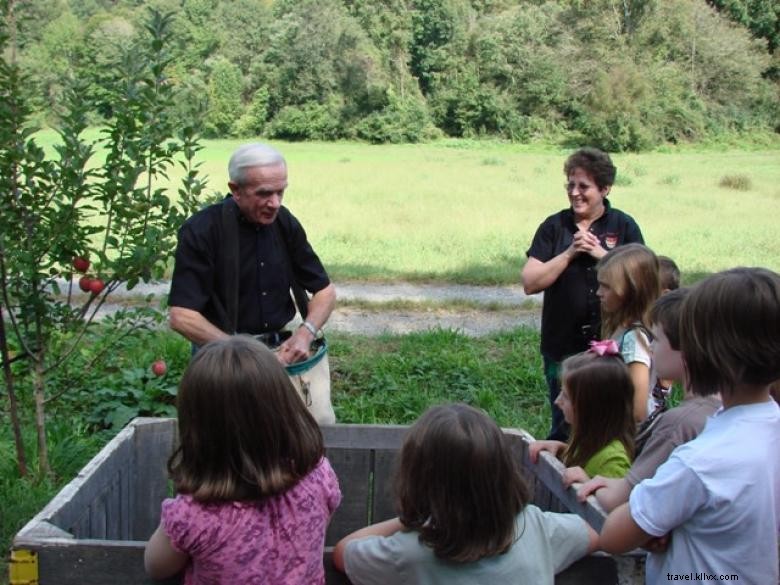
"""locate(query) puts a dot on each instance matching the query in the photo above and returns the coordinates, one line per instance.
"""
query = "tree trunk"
(16, 426)
(40, 417)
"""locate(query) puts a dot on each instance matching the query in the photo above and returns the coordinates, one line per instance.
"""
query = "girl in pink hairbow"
(597, 401)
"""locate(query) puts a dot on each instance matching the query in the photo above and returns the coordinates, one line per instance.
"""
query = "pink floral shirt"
(279, 540)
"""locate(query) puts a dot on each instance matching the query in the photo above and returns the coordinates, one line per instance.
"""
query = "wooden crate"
(94, 531)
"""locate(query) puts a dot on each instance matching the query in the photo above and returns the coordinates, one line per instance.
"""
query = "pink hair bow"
(604, 347)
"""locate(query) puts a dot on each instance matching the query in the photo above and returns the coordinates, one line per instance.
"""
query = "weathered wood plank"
(364, 436)
(153, 440)
(549, 472)
(93, 562)
(383, 495)
(353, 468)
(69, 507)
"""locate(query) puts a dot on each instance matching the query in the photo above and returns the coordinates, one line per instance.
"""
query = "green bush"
(402, 120)
(311, 121)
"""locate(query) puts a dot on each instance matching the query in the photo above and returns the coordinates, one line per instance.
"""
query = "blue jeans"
(559, 428)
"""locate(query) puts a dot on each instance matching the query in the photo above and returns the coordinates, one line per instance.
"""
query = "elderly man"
(236, 261)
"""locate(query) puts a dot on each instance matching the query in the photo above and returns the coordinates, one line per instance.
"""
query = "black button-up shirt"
(264, 300)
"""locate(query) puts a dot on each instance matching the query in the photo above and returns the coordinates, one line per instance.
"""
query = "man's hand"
(297, 348)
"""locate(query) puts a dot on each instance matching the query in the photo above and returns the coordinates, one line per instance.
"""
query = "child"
(663, 433)
(669, 274)
(464, 515)
(717, 496)
(597, 401)
(628, 286)
(255, 491)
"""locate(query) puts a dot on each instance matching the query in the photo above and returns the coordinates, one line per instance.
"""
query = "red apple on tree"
(159, 368)
(96, 285)
(84, 283)
(81, 264)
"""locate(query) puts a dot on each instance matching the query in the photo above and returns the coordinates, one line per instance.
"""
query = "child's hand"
(553, 447)
(574, 474)
(590, 487)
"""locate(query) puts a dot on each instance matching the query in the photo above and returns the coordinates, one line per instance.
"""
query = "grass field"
(466, 211)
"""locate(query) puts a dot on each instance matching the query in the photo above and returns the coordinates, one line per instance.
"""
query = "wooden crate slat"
(353, 467)
(384, 469)
(364, 436)
(153, 442)
(69, 509)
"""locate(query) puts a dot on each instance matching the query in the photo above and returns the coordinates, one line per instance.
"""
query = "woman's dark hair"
(730, 331)
(602, 399)
(594, 162)
(459, 484)
(244, 433)
(665, 313)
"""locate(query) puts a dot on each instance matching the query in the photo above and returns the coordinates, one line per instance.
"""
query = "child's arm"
(640, 376)
(161, 560)
(385, 528)
(620, 533)
(609, 492)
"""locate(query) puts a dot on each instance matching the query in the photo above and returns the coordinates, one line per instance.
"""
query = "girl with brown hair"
(464, 515)
(629, 284)
(255, 492)
(597, 401)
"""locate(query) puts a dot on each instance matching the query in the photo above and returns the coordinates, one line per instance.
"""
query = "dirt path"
(506, 307)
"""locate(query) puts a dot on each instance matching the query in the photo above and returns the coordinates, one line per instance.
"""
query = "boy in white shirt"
(717, 498)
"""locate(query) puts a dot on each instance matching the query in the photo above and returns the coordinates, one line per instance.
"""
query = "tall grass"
(466, 211)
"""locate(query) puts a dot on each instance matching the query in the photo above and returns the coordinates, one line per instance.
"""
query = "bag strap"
(300, 295)
(632, 327)
(230, 263)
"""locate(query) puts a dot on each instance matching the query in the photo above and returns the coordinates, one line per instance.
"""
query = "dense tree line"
(627, 74)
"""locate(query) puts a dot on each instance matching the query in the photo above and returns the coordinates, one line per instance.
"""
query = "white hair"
(251, 155)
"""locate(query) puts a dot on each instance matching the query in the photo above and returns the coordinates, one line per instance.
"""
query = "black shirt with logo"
(571, 315)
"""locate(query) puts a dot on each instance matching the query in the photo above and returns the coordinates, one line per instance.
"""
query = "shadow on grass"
(506, 271)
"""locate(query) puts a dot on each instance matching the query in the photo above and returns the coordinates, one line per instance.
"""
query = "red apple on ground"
(81, 264)
(96, 286)
(84, 283)
(159, 368)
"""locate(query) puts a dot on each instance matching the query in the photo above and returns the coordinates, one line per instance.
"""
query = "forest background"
(621, 75)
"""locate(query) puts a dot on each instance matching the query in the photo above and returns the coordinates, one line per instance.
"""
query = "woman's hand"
(553, 447)
(588, 243)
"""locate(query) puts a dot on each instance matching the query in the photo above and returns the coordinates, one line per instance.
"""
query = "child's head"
(459, 484)
(730, 331)
(665, 327)
(244, 432)
(597, 399)
(628, 285)
(668, 273)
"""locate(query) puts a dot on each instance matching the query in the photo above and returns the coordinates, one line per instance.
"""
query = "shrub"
(311, 121)
(402, 120)
(736, 182)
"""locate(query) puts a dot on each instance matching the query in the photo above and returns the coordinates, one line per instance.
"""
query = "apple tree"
(89, 214)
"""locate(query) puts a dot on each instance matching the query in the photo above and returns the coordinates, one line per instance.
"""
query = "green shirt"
(611, 461)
